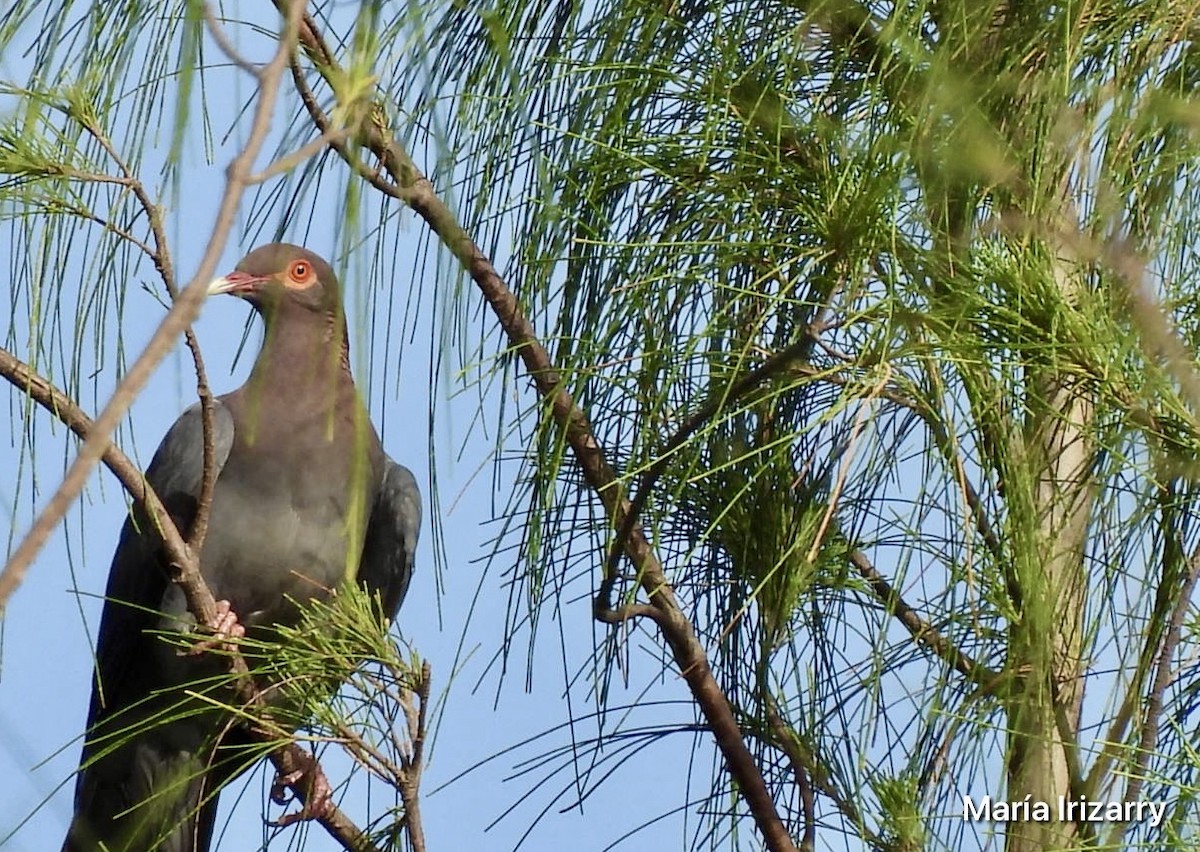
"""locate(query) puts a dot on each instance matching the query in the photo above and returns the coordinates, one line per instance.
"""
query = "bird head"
(278, 276)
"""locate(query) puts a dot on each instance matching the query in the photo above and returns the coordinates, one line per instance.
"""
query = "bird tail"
(157, 803)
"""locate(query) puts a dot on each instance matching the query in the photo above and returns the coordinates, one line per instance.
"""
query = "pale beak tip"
(219, 285)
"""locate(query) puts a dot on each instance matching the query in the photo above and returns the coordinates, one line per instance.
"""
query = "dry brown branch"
(417, 719)
(922, 632)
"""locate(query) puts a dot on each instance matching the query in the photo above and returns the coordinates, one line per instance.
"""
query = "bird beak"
(237, 283)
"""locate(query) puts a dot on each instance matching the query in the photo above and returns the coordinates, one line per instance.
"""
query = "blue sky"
(45, 658)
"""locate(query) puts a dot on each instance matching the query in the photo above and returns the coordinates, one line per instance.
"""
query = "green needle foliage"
(945, 215)
(335, 678)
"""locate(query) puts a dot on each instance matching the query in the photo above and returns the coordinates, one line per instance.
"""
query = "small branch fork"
(409, 690)
(161, 256)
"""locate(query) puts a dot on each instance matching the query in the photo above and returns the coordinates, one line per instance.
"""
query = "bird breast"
(285, 529)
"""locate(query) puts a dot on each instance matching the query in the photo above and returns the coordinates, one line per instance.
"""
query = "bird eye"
(299, 271)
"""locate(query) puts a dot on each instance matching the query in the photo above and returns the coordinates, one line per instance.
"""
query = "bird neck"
(308, 356)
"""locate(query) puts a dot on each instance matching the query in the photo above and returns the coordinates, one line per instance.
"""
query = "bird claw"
(318, 801)
(226, 631)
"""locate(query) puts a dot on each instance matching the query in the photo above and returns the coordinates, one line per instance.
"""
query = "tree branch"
(786, 740)
(922, 632)
(417, 719)
(44, 393)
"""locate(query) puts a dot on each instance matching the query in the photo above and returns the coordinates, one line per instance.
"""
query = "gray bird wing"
(391, 541)
(137, 581)
(112, 781)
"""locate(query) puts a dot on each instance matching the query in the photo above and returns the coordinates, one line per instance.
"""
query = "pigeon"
(304, 501)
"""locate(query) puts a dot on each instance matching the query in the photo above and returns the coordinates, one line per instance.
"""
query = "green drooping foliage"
(825, 276)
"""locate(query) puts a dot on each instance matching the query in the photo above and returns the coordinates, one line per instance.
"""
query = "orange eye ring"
(300, 271)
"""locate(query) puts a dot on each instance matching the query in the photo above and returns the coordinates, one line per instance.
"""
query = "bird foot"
(318, 800)
(226, 631)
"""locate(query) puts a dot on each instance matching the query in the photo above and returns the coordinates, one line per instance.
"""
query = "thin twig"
(922, 631)
(1154, 699)
(290, 161)
(791, 355)
(785, 739)
(161, 255)
(341, 146)
(417, 719)
(78, 212)
(217, 31)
